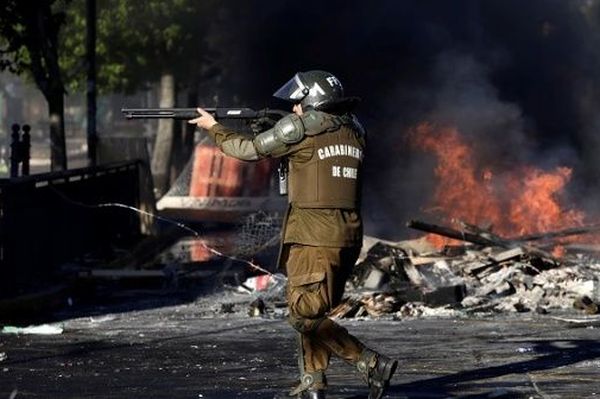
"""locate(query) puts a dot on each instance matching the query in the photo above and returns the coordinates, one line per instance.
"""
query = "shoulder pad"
(317, 122)
(289, 129)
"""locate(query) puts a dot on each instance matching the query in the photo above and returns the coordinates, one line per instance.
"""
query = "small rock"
(541, 310)
(586, 304)
(227, 307)
(521, 308)
(257, 308)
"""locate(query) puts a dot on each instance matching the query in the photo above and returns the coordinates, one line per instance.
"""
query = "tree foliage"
(29, 37)
(137, 42)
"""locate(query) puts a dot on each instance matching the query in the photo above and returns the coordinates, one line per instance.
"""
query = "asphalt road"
(194, 350)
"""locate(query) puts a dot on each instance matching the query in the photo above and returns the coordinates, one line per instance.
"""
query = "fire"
(514, 202)
(536, 207)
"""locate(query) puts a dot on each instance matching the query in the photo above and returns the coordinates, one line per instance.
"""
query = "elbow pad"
(288, 130)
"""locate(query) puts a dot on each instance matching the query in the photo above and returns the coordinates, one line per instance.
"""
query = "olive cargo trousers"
(316, 282)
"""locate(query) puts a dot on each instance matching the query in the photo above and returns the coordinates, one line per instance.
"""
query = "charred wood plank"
(475, 267)
(481, 239)
(585, 248)
(448, 295)
(414, 275)
(507, 255)
(594, 228)
(439, 296)
(454, 234)
(426, 260)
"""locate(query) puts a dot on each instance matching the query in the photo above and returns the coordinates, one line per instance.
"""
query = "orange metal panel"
(217, 175)
(202, 170)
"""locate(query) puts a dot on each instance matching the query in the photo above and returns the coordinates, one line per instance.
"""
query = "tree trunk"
(40, 36)
(90, 55)
(163, 145)
(56, 107)
(188, 138)
(183, 142)
(176, 152)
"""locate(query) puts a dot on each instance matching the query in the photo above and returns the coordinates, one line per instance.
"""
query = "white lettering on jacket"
(346, 172)
(337, 150)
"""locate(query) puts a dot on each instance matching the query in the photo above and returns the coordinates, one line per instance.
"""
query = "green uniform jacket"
(314, 226)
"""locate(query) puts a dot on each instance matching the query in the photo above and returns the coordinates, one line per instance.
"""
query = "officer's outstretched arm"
(273, 142)
(233, 143)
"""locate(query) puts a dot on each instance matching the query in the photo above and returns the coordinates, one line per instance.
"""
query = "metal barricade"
(52, 218)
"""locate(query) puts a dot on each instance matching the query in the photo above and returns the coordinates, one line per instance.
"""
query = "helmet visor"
(293, 91)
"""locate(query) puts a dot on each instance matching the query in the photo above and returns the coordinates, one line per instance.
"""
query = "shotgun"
(191, 113)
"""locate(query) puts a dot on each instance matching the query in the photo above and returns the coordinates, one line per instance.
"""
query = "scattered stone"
(525, 349)
(227, 307)
(586, 304)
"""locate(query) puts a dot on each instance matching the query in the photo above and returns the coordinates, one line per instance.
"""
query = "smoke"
(522, 79)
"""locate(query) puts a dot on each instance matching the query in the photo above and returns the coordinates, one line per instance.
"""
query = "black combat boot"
(377, 370)
(312, 394)
(312, 386)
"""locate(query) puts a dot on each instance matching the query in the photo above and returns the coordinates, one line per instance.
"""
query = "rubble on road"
(44, 329)
(483, 273)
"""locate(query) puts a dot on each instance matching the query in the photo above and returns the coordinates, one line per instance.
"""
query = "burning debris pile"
(483, 273)
(498, 261)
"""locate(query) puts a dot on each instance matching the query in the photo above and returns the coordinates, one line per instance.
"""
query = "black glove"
(261, 124)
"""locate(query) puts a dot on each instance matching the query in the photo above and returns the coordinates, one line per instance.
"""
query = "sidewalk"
(195, 351)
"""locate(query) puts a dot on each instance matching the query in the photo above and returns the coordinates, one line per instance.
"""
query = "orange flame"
(536, 207)
(515, 202)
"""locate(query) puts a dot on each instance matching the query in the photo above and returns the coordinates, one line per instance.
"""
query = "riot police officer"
(322, 234)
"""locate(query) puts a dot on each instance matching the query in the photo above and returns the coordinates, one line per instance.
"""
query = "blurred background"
(520, 79)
